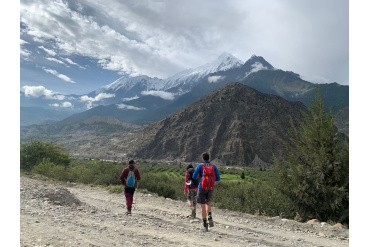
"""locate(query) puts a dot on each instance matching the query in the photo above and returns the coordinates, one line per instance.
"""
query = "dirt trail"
(79, 215)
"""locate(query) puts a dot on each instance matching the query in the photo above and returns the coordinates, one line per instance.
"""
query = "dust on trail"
(79, 215)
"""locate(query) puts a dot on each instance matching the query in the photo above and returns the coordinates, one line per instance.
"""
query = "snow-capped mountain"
(124, 83)
(179, 83)
(188, 79)
(224, 69)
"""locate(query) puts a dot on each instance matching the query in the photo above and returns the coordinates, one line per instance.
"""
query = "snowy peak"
(251, 62)
(224, 62)
(127, 83)
(183, 81)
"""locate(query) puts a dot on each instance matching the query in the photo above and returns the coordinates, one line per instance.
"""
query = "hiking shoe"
(205, 227)
(193, 213)
(128, 213)
(210, 222)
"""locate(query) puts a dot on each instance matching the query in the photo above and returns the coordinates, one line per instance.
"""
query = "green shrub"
(61, 173)
(250, 198)
(34, 151)
(44, 167)
(116, 188)
(163, 185)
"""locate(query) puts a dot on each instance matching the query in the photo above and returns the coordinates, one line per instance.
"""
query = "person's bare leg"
(203, 211)
(209, 213)
(208, 207)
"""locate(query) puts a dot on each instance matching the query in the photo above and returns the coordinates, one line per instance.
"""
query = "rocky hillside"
(235, 124)
(102, 137)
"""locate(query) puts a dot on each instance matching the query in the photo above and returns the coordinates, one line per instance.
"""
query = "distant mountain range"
(38, 115)
(143, 100)
(237, 124)
(128, 88)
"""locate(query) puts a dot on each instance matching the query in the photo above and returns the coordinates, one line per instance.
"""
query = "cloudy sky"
(78, 46)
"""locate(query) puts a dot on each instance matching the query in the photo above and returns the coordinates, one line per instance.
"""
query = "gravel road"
(80, 215)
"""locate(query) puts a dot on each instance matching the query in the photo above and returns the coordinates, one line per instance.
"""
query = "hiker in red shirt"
(191, 189)
(129, 178)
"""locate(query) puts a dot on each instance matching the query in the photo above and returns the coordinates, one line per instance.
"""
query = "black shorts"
(204, 196)
(130, 190)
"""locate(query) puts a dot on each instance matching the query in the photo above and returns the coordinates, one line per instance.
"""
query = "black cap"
(131, 162)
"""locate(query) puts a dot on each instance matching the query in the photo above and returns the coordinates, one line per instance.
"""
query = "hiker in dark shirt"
(208, 174)
(129, 178)
(191, 189)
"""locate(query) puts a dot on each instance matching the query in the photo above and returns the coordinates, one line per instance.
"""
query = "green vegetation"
(34, 152)
(315, 174)
(254, 193)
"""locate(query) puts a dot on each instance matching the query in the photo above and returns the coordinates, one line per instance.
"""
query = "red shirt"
(186, 186)
(124, 175)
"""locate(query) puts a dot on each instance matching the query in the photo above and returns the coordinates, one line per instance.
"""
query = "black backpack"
(192, 183)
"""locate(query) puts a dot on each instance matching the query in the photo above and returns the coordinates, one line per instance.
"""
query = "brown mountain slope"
(235, 124)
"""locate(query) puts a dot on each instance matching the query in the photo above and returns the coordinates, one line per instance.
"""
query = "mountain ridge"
(235, 123)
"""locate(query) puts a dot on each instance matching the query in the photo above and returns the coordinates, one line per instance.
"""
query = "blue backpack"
(131, 179)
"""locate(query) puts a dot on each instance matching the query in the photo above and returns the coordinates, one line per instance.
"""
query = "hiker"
(129, 178)
(191, 189)
(208, 174)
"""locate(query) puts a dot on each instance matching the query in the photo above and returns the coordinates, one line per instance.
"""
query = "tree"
(33, 152)
(315, 173)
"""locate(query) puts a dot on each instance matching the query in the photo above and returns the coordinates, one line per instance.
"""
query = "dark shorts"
(204, 196)
(130, 190)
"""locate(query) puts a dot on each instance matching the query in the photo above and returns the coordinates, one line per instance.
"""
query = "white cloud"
(65, 78)
(129, 107)
(257, 66)
(23, 51)
(73, 63)
(215, 78)
(67, 104)
(97, 97)
(64, 105)
(89, 105)
(132, 98)
(51, 71)
(86, 98)
(162, 94)
(39, 91)
(55, 60)
(61, 76)
(48, 51)
(104, 96)
(89, 100)
(22, 42)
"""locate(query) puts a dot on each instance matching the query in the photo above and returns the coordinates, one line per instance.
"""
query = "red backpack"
(209, 177)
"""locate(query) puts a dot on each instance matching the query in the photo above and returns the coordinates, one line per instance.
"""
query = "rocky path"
(79, 215)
